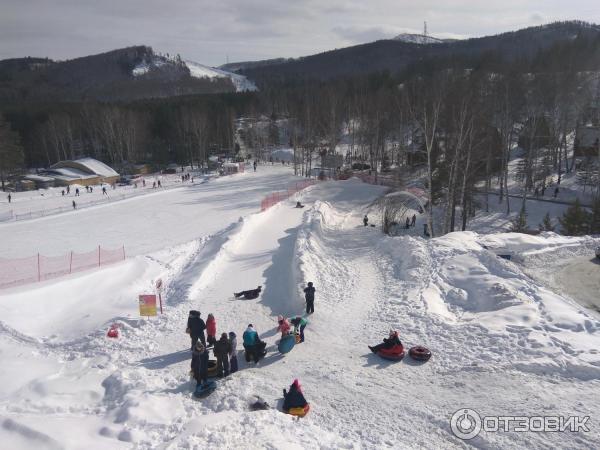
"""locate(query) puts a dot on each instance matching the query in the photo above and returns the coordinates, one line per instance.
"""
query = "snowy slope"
(420, 39)
(502, 343)
(241, 83)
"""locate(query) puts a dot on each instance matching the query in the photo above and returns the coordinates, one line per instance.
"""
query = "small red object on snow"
(114, 331)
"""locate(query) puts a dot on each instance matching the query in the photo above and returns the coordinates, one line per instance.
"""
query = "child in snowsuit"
(299, 322)
(309, 296)
(233, 362)
(392, 340)
(365, 220)
(294, 398)
(200, 364)
(195, 328)
(284, 326)
(221, 351)
(211, 330)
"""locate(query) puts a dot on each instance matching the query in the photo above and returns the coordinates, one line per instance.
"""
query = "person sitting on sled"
(294, 398)
(200, 364)
(391, 341)
(248, 295)
(299, 205)
(284, 326)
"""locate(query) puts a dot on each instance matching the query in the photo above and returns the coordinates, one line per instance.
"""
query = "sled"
(212, 368)
(395, 353)
(299, 411)
(204, 390)
(419, 353)
(286, 344)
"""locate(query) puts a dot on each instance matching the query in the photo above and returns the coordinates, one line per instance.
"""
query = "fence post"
(98, 256)
(71, 263)
(39, 271)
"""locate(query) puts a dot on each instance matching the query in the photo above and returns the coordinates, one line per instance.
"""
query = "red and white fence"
(18, 271)
(276, 197)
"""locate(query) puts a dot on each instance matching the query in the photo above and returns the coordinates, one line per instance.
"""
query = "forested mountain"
(396, 55)
(125, 74)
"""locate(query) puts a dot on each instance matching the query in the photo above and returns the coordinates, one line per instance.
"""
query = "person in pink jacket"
(211, 330)
(284, 326)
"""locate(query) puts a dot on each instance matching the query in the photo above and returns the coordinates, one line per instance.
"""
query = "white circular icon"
(465, 424)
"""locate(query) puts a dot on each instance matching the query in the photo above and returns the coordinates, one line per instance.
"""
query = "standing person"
(211, 329)
(413, 222)
(253, 346)
(200, 364)
(68, 189)
(159, 185)
(556, 192)
(143, 182)
(254, 165)
(104, 190)
(309, 296)
(233, 362)
(366, 220)
(9, 198)
(74, 205)
(407, 223)
(284, 326)
(195, 328)
(299, 323)
(63, 192)
(221, 351)
(153, 184)
(76, 192)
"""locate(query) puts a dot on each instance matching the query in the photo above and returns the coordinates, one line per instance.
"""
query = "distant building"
(587, 141)
(84, 171)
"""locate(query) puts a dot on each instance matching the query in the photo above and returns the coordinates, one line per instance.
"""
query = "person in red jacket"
(211, 330)
(284, 326)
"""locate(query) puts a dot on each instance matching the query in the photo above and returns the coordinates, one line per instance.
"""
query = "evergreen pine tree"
(519, 224)
(546, 224)
(11, 152)
(575, 221)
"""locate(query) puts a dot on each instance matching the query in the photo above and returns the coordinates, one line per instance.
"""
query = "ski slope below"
(502, 342)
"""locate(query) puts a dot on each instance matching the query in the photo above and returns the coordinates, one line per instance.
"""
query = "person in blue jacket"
(255, 348)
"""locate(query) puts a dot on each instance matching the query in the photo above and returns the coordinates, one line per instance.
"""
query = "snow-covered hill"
(420, 39)
(502, 342)
(158, 62)
(242, 84)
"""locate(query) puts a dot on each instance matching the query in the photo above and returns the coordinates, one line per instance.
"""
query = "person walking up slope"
(309, 296)
(211, 330)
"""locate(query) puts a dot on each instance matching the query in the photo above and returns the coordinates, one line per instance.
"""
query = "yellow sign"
(148, 305)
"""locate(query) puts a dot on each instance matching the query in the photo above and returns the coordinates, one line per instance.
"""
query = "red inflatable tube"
(396, 353)
(420, 353)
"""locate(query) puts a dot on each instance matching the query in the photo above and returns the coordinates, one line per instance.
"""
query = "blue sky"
(210, 31)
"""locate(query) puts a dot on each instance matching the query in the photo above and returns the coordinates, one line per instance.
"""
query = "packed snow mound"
(420, 39)
(241, 83)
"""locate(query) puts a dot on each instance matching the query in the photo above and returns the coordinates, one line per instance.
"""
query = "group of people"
(187, 177)
(203, 335)
(224, 349)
